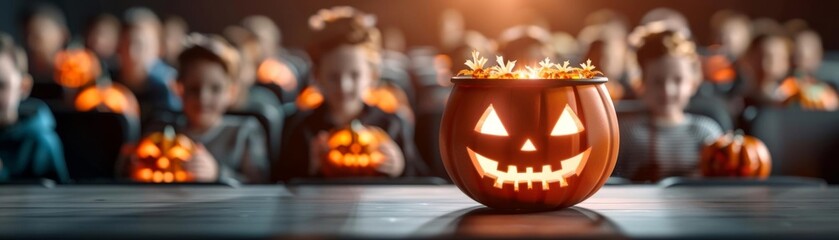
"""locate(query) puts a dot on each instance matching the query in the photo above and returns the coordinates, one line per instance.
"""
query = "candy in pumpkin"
(533, 144)
(736, 155)
(354, 151)
(160, 157)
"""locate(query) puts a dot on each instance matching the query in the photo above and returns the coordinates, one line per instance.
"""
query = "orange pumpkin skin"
(538, 161)
(111, 97)
(354, 152)
(76, 68)
(736, 155)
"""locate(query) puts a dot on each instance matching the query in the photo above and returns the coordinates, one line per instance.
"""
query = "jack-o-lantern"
(76, 68)
(160, 157)
(354, 151)
(273, 71)
(529, 143)
(107, 97)
(736, 155)
(811, 94)
(717, 68)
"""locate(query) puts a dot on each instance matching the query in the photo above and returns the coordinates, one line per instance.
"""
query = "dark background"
(419, 18)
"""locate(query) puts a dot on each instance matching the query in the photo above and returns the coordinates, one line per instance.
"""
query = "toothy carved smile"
(487, 167)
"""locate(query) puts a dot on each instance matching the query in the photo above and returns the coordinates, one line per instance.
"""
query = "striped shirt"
(650, 153)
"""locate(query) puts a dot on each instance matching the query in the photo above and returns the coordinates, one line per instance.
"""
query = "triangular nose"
(528, 146)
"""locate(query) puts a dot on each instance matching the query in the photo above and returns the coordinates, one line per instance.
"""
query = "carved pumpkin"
(717, 68)
(811, 94)
(354, 152)
(736, 155)
(76, 68)
(107, 97)
(273, 71)
(160, 157)
(529, 143)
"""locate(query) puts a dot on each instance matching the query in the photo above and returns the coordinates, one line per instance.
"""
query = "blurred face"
(267, 39)
(808, 52)
(344, 76)
(775, 64)
(735, 37)
(10, 90)
(173, 40)
(103, 39)
(205, 93)
(669, 83)
(139, 48)
(44, 37)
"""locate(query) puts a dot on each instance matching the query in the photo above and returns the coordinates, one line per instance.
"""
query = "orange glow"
(163, 162)
(76, 68)
(272, 71)
(383, 98)
(109, 98)
(545, 70)
(309, 98)
(160, 157)
(355, 148)
(145, 174)
(147, 149)
(490, 124)
(567, 124)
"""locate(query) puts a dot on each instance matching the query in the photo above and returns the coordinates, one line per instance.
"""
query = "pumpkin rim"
(467, 80)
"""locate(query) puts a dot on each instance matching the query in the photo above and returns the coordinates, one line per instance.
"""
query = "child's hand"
(394, 162)
(203, 166)
(318, 147)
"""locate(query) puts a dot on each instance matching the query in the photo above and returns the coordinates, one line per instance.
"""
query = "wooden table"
(205, 212)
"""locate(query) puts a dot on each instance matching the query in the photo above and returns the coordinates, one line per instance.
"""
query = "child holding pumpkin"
(229, 148)
(346, 53)
(29, 146)
(665, 141)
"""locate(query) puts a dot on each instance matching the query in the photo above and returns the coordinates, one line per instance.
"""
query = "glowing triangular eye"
(490, 124)
(567, 124)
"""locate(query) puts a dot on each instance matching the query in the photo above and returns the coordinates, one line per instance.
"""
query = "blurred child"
(670, 20)
(102, 37)
(764, 66)
(297, 62)
(230, 148)
(174, 34)
(666, 141)
(205, 84)
(808, 53)
(246, 93)
(29, 146)
(605, 38)
(141, 69)
(45, 31)
(346, 49)
(732, 34)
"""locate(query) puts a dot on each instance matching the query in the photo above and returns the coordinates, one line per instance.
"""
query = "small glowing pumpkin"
(354, 151)
(76, 68)
(107, 97)
(736, 155)
(160, 157)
